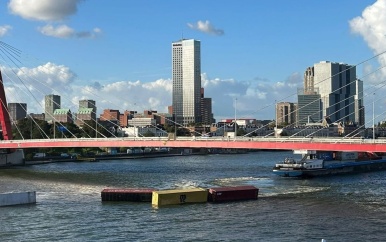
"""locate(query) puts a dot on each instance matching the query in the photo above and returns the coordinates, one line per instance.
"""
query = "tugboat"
(314, 163)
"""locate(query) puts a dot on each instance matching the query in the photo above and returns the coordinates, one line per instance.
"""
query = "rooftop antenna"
(182, 35)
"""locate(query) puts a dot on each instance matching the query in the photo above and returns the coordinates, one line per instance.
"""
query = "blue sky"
(119, 52)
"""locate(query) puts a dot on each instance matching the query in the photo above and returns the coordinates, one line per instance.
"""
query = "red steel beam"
(4, 115)
(270, 145)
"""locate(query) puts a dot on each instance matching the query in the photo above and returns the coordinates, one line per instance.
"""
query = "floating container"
(169, 197)
(130, 194)
(9, 199)
(225, 194)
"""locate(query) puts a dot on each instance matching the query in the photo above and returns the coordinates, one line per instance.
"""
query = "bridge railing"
(214, 139)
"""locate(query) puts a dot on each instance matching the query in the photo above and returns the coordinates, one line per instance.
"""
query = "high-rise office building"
(309, 108)
(186, 74)
(17, 111)
(309, 105)
(52, 102)
(341, 93)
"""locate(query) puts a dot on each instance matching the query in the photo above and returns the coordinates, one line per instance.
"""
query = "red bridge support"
(4, 114)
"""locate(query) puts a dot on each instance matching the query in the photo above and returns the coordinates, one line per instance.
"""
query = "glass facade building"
(186, 74)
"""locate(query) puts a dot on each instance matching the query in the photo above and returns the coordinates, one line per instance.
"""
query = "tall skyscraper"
(337, 84)
(52, 102)
(186, 74)
(341, 97)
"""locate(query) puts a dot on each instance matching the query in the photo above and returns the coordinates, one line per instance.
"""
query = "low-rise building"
(63, 115)
(143, 131)
(141, 122)
(84, 114)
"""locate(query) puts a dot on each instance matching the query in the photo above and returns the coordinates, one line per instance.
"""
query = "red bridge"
(328, 144)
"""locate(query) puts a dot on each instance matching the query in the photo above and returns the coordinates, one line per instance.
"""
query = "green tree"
(65, 130)
(241, 132)
(88, 130)
(31, 129)
(182, 131)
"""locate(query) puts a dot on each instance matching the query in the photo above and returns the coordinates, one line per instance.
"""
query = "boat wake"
(186, 184)
(275, 191)
(259, 182)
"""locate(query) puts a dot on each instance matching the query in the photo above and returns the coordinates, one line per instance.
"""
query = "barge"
(314, 163)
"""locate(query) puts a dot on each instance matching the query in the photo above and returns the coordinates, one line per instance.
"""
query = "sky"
(253, 52)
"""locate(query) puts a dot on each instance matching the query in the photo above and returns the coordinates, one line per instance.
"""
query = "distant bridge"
(321, 144)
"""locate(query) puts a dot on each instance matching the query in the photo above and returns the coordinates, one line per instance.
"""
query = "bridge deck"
(327, 144)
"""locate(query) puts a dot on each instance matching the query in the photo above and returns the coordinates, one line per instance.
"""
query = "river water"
(69, 207)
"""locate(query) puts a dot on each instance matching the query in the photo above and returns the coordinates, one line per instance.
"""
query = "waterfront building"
(308, 108)
(142, 122)
(111, 115)
(88, 104)
(152, 114)
(83, 115)
(136, 131)
(125, 116)
(206, 109)
(17, 111)
(62, 115)
(286, 113)
(186, 75)
(340, 91)
(160, 118)
(38, 116)
(52, 102)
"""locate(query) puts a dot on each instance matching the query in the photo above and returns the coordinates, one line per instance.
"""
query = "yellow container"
(169, 197)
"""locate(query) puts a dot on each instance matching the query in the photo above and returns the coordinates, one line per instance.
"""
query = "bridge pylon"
(5, 121)
(12, 156)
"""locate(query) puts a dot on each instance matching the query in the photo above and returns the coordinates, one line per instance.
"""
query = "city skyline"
(257, 55)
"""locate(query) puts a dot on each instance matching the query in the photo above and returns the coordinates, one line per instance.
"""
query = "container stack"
(181, 196)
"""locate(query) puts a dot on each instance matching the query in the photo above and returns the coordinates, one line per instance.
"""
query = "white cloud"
(30, 85)
(48, 11)
(206, 27)
(45, 79)
(63, 31)
(129, 95)
(372, 27)
(4, 29)
(255, 99)
(43, 10)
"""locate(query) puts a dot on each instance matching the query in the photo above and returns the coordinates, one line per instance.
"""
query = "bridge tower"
(4, 114)
(10, 156)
